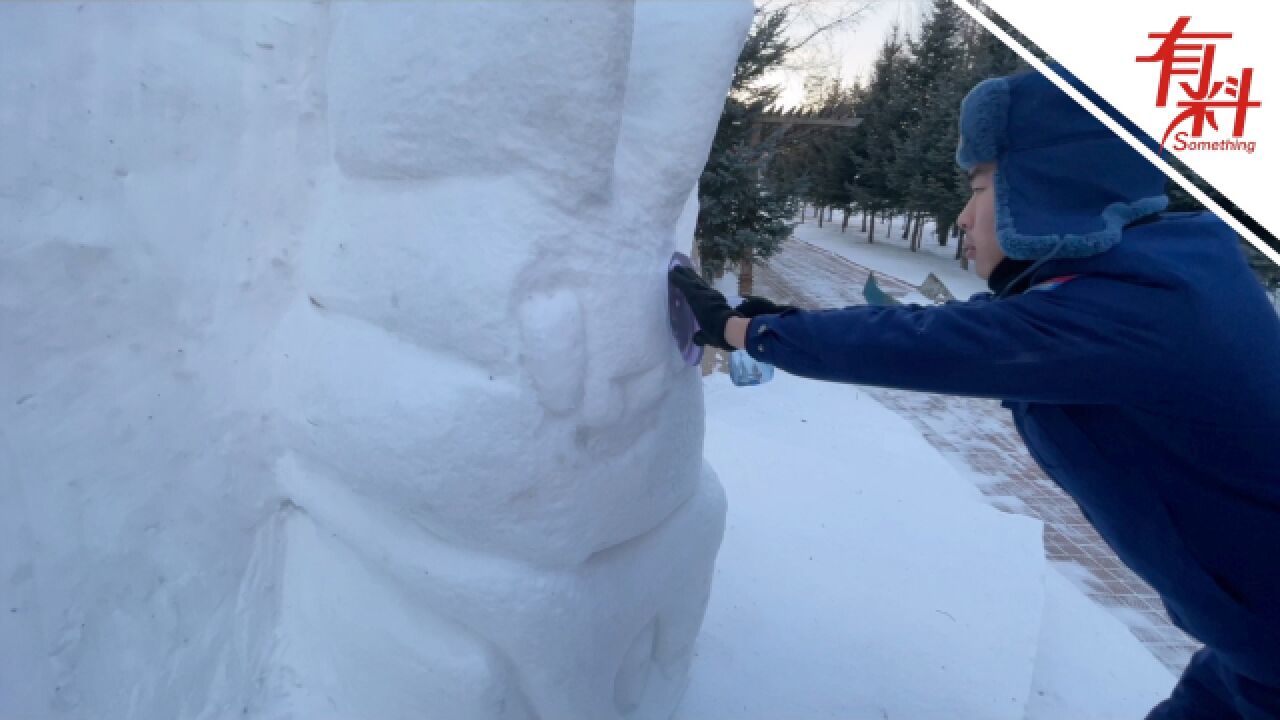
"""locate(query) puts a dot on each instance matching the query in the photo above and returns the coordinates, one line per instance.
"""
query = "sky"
(848, 51)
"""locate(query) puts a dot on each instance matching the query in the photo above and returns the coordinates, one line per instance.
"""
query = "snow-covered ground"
(890, 254)
(861, 577)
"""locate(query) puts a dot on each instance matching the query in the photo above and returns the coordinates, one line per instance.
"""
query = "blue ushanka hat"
(1065, 184)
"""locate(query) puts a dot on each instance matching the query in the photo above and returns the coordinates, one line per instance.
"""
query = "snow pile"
(339, 382)
(860, 577)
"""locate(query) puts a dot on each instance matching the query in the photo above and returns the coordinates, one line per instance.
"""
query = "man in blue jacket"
(1137, 352)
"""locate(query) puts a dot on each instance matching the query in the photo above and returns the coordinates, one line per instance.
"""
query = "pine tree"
(831, 165)
(743, 216)
(925, 170)
(919, 115)
(871, 153)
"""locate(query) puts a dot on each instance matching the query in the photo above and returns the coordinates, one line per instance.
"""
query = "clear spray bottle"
(745, 370)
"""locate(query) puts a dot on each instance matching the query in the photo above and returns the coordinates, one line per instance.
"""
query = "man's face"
(979, 221)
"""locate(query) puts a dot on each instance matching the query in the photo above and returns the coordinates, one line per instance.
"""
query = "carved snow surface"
(337, 344)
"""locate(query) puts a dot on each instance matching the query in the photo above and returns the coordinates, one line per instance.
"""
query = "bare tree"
(814, 31)
(810, 20)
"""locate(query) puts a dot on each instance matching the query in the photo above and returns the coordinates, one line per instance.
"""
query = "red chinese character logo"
(1180, 54)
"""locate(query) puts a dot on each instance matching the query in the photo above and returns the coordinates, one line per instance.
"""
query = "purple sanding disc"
(683, 323)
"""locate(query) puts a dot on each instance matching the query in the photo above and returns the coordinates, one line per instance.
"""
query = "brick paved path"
(979, 438)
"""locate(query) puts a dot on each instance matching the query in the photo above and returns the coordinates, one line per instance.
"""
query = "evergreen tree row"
(900, 161)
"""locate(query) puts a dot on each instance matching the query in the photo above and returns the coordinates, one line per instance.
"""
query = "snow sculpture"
(336, 343)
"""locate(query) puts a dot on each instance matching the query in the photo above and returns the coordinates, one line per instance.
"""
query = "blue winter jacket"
(1147, 386)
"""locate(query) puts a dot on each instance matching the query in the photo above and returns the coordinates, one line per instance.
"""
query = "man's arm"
(1060, 346)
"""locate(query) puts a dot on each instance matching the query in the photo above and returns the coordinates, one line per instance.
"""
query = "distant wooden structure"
(781, 120)
(797, 116)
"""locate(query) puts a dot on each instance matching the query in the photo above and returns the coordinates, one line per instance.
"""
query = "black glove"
(708, 306)
(753, 306)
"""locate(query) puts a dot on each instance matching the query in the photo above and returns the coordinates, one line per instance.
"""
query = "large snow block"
(282, 276)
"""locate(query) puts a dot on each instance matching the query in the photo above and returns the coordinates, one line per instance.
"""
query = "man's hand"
(754, 305)
(708, 305)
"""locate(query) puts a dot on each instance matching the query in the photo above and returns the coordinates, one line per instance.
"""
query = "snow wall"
(336, 373)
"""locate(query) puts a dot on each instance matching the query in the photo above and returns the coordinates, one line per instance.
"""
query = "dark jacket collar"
(1006, 272)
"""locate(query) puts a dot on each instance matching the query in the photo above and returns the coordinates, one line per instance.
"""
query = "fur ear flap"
(1114, 217)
